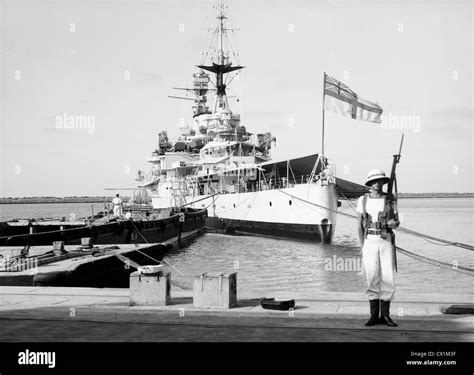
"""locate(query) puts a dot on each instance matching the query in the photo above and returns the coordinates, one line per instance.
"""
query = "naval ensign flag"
(339, 98)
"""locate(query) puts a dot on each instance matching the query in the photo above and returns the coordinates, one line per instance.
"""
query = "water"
(48, 210)
(265, 265)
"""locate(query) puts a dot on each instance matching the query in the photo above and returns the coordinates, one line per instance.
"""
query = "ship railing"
(243, 186)
(331, 173)
(280, 183)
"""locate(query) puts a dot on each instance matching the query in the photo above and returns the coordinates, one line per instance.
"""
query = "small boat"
(179, 224)
(75, 266)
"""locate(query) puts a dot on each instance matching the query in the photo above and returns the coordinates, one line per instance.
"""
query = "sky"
(114, 63)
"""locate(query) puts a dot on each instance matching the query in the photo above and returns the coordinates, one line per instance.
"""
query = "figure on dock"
(378, 216)
(118, 206)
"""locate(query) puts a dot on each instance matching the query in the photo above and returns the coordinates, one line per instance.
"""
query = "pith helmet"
(376, 174)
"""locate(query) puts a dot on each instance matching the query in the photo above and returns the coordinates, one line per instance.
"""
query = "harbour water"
(266, 265)
(48, 210)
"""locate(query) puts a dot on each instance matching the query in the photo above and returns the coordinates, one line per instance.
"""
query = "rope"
(467, 271)
(205, 208)
(146, 241)
(318, 205)
(231, 220)
(238, 205)
(424, 236)
(163, 260)
(428, 238)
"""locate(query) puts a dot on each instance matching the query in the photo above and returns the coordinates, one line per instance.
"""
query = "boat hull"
(102, 270)
(318, 233)
(102, 273)
(306, 211)
(119, 232)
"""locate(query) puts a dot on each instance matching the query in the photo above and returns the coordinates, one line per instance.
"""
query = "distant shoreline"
(54, 200)
(435, 195)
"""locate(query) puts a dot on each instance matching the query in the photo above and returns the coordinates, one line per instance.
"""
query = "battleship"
(218, 165)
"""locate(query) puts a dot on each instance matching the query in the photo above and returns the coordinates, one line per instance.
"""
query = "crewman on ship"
(118, 206)
(378, 216)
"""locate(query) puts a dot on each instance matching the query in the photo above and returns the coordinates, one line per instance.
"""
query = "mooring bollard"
(58, 247)
(215, 290)
(150, 289)
(86, 243)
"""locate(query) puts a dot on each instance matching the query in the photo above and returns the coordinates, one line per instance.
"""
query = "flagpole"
(322, 137)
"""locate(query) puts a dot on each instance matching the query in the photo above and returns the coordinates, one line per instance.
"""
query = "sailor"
(118, 206)
(378, 216)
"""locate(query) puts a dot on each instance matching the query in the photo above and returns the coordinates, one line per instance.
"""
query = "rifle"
(391, 198)
(393, 178)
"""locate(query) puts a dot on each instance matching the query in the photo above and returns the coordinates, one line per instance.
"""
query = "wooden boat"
(185, 222)
(99, 266)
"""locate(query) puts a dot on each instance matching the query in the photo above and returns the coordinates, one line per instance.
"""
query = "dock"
(49, 314)
(74, 266)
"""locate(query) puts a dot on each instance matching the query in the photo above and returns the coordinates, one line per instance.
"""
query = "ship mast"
(222, 66)
(221, 18)
(324, 96)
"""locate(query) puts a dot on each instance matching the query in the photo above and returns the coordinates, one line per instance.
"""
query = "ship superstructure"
(217, 164)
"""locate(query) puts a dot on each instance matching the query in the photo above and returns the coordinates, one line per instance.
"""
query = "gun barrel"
(401, 144)
(396, 160)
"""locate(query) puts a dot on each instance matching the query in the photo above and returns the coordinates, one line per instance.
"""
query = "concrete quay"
(57, 314)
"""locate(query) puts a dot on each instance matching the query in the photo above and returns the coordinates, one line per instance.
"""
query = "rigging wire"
(163, 260)
(426, 237)
(421, 258)
(209, 40)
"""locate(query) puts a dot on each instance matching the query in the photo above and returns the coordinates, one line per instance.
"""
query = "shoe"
(385, 314)
(374, 313)
(387, 321)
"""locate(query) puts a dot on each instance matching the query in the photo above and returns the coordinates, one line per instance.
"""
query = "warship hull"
(304, 211)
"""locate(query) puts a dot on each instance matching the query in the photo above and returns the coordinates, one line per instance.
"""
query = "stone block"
(215, 290)
(150, 289)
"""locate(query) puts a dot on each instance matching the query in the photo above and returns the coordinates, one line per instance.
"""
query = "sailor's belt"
(375, 225)
(374, 231)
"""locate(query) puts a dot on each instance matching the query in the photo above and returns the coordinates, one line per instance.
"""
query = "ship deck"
(73, 257)
(98, 266)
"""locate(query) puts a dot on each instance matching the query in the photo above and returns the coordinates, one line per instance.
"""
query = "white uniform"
(377, 255)
(117, 202)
